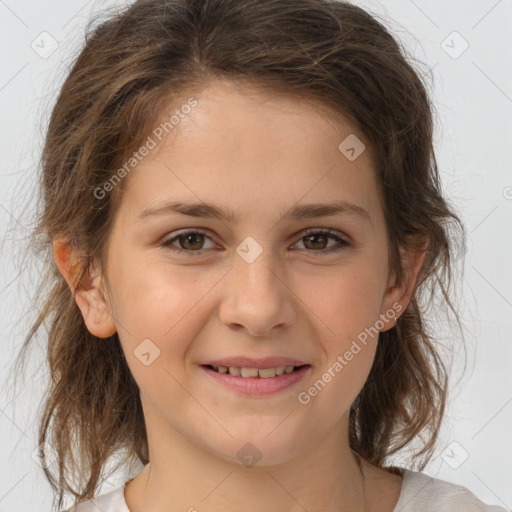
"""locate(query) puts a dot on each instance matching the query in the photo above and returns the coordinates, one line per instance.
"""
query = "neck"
(182, 476)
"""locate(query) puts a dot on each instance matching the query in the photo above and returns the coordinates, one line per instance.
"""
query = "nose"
(257, 297)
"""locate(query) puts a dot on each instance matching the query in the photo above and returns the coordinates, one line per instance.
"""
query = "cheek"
(159, 305)
(348, 311)
(164, 310)
(347, 300)
(347, 304)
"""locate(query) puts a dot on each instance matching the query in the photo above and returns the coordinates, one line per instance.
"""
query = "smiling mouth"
(262, 373)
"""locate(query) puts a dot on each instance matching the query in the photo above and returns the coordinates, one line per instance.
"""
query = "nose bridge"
(255, 272)
(257, 298)
(258, 275)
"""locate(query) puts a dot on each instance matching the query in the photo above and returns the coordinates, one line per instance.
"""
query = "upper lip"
(261, 363)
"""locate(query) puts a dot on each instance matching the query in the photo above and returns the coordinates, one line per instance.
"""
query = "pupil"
(192, 236)
(315, 237)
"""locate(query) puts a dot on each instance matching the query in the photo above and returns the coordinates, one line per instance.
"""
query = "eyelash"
(167, 244)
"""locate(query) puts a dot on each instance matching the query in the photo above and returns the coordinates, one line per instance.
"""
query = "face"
(277, 279)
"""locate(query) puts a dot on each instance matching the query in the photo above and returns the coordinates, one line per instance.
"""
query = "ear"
(399, 294)
(89, 296)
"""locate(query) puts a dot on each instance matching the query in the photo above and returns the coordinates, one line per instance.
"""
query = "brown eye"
(317, 241)
(187, 241)
(191, 241)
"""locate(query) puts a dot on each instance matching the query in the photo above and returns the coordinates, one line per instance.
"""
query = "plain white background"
(472, 90)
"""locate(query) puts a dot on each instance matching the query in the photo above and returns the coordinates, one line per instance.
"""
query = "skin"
(258, 154)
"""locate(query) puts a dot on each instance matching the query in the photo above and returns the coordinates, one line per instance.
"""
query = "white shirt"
(419, 493)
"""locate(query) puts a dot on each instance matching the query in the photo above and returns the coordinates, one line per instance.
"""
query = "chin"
(258, 449)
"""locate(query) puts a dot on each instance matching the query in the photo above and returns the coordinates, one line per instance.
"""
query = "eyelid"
(341, 238)
(343, 241)
(167, 243)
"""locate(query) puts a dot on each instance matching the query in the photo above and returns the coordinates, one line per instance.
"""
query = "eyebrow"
(299, 212)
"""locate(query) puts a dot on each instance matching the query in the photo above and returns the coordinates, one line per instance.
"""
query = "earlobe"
(88, 294)
(399, 295)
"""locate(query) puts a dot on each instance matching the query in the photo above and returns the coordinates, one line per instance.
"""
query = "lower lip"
(257, 385)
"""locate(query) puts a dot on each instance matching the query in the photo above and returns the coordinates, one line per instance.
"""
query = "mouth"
(257, 382)
(248, 372)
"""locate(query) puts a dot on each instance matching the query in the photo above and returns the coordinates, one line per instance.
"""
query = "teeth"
(233, 370)
(249, 372)
(264, 373)
(267, 373)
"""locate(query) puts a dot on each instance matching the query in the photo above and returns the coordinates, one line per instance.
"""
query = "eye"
(315, 240)
(190, 241)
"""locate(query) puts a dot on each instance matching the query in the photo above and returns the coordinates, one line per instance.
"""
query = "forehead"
(248, 112)
(246, 146)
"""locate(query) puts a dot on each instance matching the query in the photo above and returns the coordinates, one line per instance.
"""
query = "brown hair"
(152, 53)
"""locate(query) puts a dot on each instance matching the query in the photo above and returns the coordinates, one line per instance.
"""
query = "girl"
(244, 213)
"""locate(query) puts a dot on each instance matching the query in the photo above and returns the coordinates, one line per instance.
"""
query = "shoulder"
(421, 492)
(112, 501)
